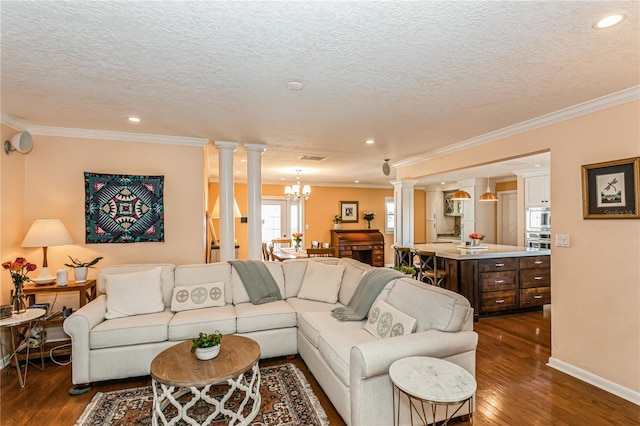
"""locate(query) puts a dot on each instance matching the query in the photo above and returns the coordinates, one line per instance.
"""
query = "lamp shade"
(215, 213)
(488, 196)
(47, 233)
(461, 195)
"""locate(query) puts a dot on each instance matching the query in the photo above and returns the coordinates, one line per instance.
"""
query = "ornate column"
(254, 195)
(403, 199)
(227, 222)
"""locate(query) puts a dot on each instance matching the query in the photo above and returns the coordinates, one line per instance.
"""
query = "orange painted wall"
(320, 209)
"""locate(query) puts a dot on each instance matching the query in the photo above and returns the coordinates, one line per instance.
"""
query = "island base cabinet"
(496, 301)
(532, 297)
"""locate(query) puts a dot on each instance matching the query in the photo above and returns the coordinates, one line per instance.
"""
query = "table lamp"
(46, 233)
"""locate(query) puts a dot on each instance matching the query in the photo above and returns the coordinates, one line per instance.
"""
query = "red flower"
(31, 267)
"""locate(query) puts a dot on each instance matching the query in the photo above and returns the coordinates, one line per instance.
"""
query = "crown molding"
(607, 101)
(14, 123)
(115, 136)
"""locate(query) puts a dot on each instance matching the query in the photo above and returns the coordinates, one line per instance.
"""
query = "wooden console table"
(87, 291)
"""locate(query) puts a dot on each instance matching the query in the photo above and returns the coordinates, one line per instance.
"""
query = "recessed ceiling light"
(537, 165)
(442, 183)
(134, 119)
(356, 181)
(295, 86)
(370, 142)
(609, 21)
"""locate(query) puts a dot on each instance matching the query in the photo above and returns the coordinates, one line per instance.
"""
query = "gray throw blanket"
(371, 284)
(257, 280)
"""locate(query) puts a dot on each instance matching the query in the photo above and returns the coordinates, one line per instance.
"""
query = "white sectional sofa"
(349, 362)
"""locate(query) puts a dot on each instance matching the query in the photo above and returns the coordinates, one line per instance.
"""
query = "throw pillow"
(321, 282)
(386, 321)
(187, 297)
(134, 293)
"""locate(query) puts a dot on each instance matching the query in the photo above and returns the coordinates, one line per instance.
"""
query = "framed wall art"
(610, 189)
(349, 211)
(123, 208)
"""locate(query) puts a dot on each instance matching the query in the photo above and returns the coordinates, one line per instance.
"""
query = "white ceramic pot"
(80, 274)
(207, 353)
(336, 226)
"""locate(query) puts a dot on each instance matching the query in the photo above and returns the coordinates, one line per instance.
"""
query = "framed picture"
(610, 189)
(349, 211)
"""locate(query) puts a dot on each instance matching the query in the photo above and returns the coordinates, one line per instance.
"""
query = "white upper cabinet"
(537, 191)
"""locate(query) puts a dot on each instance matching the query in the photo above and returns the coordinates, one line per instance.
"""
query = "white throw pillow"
(187, 297)
(386, 321)
(321, 282)
(135, 293)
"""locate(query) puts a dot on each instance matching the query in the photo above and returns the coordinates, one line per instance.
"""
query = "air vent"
(311, 157)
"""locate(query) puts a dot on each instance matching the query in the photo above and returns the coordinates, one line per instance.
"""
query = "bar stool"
(428, 268)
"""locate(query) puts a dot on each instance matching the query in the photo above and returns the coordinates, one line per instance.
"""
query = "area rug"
(287, 399)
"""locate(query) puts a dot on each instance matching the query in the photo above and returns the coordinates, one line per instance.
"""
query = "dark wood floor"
(515, 386)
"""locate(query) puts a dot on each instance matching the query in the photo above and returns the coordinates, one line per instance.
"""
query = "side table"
(87, 291)
(20, 326)
(433, 381)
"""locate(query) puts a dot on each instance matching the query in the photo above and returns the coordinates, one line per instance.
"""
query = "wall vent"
(311, 157)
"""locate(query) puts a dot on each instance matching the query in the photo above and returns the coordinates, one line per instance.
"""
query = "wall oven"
(538, 219)
(538, 240)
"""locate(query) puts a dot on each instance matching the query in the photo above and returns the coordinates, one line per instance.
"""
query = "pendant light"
(488, 196)
(461, 195)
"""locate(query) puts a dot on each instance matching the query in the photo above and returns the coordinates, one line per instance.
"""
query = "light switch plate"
(563, 240)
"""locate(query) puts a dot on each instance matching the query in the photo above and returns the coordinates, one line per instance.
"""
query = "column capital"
(261, 147)
(226, 145)
(406, 183)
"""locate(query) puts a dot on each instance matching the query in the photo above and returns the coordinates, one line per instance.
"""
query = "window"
(389, 215)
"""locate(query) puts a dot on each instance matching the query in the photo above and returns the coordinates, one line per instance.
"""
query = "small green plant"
(405, 269)
(337, 219)
(76, 263)
(205, 340)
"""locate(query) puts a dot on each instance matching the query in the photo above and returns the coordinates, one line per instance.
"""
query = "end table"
(20, 326)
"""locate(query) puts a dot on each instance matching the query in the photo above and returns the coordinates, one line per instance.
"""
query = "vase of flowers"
(19, 270)
(369, 216)
(336, 221)
(297, 240)
(475, 238)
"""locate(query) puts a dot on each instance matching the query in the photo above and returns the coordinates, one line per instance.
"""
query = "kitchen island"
(496, 278)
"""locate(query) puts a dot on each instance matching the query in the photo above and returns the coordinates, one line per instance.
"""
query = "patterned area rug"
(287, 399)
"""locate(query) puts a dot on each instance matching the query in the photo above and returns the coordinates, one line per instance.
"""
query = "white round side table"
(433, 381)
(27, 320)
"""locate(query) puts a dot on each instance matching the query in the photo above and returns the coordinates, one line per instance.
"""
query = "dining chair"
(428, 268)
(326, 245)
(265, 252)
(315, 244)
(321, 252)
(278, 243)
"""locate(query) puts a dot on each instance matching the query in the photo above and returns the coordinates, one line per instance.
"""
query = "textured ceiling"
(414, 76)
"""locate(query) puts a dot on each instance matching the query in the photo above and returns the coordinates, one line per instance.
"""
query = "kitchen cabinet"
(537, 191)
(433, 208)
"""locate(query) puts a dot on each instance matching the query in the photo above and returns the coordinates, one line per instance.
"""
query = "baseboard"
(597, 381)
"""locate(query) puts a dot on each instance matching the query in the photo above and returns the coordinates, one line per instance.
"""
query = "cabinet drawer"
(500, 264)
(498, 301)
(535, 262)
(497, 281)
(535, 278)
(535, 297)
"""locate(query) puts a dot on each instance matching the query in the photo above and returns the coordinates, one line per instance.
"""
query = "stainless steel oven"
(538, 240)
(538, 219)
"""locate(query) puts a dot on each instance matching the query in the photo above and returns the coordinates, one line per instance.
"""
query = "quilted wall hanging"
(123, 208)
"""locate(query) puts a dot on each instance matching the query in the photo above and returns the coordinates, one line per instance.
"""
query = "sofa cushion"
(353, 272)
(240, 294)
(304, 305)
(432, 307)
(335, 349)
(134, 293)
(188, 324)
(133, 330)
(197, 296)
(268, 316)
(312, 324)
(321, 282)
(166, 277)
(294, 270)
(386, 321)
(206, 273)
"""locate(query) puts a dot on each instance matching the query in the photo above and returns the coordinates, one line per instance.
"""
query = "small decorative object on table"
(207, 346)
(297, 240)
(6, 311)
(19, 270)
(475, 238)
(336, 221)
(80, 268)
(369, 216)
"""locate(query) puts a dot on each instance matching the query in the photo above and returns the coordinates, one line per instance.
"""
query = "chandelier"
(297, 191)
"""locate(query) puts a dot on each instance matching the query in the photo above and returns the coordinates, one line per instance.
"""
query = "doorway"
(281, 217)
(508, 218)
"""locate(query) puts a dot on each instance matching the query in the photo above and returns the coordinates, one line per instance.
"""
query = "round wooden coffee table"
(176, 372)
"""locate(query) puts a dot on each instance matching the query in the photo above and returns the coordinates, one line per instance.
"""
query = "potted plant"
(407, 270)
(475, 237)
(80, 268)
(369, 216)
(207, 346)
(336, 221)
